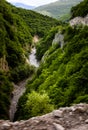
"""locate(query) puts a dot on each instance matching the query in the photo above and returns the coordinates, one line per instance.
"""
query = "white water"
(32, 58)
(19, 89)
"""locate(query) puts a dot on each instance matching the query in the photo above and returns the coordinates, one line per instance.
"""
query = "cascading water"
(32, 58)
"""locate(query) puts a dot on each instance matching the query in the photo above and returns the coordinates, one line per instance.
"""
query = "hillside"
(17, 28)
(39, 24)
(12, 54)
(62, 78)
(77, 10)
(59, 9)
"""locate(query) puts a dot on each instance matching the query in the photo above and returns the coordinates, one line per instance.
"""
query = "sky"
(32, 2)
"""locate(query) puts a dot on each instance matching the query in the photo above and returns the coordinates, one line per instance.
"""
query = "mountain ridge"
(57, 9)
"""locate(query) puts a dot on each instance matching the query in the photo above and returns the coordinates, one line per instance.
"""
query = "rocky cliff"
(79, 21)
(68, 118)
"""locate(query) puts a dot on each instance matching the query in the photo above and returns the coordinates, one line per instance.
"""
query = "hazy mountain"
(58, 9)
(23, 6)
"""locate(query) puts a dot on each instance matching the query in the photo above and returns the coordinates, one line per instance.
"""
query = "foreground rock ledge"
(68, 118)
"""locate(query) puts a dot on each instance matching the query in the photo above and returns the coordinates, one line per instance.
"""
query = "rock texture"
(59, 39)
(79, 21)
(19, 89)
(68, 118)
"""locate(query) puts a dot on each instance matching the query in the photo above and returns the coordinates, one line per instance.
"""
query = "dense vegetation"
(59, 9)
(14, 37)
(39, 24)
(63, 72)
(17, 28)
(80, 9)
(63, 75)
(62, 78)
(5, 94)
(45, 43)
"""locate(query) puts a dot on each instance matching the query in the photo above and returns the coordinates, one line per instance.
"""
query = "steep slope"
(63, 73)
(12, 54)
(80, 10)
(15, 44)
(59, 9)
(39, 24)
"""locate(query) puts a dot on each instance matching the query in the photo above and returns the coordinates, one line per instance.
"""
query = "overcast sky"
(33, 2)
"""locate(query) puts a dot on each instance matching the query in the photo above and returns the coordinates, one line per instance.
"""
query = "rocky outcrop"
(59, 39)
(79, 21)
(68, 118)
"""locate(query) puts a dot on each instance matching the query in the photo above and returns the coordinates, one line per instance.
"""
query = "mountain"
(17, 28)
(23, 5)
(59, 9)
(62, 77)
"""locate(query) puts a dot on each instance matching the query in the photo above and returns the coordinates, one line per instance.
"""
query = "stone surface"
(68, 118)
(59, 39)
(79, 21)
(58, 126)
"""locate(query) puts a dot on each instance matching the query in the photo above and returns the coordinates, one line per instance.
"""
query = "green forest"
(62, 77)
(17, 28)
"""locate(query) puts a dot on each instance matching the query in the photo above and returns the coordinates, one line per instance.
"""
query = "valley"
(20, 88)
(47, 63)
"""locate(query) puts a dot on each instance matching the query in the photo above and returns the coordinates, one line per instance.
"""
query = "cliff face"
(68, 118)
(79, 21)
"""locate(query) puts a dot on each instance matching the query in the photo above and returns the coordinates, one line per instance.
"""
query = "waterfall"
(32, 58)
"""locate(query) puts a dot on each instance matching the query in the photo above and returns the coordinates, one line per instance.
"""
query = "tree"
(37, 104)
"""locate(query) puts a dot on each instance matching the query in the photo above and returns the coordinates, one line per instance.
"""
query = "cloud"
(32, 2)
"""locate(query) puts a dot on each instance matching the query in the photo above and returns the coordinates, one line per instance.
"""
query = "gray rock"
(86, 121)
(67, 118)
(59, 39)
(5, 126)
(58, 113)
(79, 21)
(58, 126)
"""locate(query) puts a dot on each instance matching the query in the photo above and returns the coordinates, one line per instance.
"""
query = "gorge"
(59, 87)
(20, 88)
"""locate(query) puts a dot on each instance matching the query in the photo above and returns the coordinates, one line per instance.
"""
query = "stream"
(19, 88)
(32, 58)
